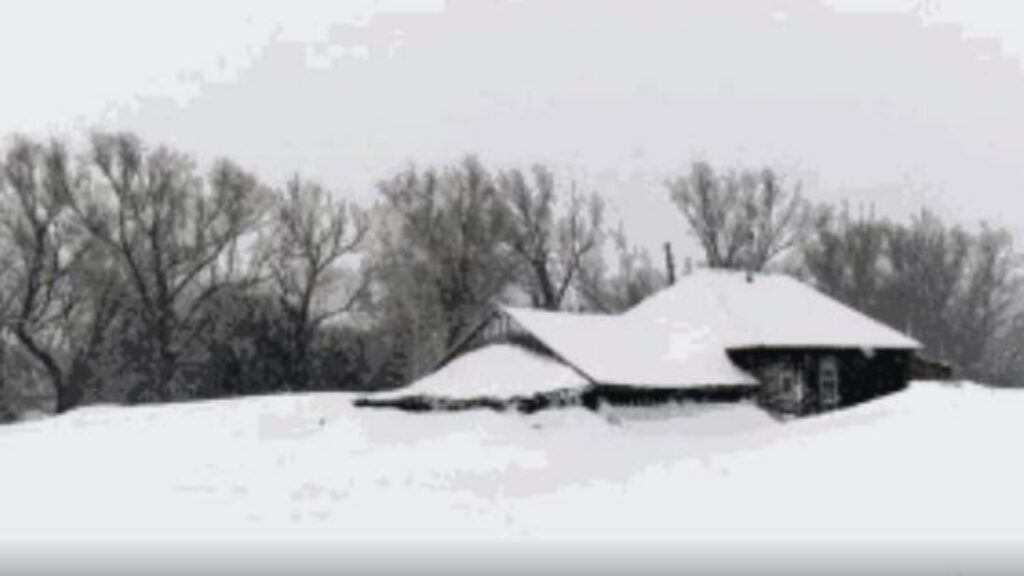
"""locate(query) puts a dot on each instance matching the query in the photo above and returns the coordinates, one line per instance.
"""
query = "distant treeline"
(128, 274)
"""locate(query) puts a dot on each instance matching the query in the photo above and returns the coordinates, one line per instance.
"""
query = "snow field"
(936, 463)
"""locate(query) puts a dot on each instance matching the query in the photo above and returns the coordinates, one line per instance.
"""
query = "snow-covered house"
(808, 351)
(717, 334)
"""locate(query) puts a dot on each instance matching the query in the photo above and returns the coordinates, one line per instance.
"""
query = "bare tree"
(778, 217)
(440, 255)
(845, 256)
(741, 219)
(310, 235)
(174, 235)
(984, 312)
(64, 293)
(1004, 356)
(926, 261)
(551, 248)
(8, 279)
(93, 321)
(7, 297)
(43, 247)
(633, 277)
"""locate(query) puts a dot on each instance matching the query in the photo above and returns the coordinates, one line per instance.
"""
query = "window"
(790, 385)
(828, 380)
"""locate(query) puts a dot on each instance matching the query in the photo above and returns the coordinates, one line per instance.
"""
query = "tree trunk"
(549, 297)
(300, 360)
(68, 394)
(166, 359)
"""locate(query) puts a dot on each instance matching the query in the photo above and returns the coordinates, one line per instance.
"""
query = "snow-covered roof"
(619, 350)
(679, 338)
(499, 371)
(772, 310)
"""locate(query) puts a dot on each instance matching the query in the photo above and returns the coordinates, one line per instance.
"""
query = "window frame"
(829, 381)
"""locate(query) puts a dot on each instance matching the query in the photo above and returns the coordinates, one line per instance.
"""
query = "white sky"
(891, 102)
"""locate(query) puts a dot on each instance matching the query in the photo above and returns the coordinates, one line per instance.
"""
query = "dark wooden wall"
(863, 375)
(642, 396)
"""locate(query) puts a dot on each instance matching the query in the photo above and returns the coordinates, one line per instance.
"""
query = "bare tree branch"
(742, 220)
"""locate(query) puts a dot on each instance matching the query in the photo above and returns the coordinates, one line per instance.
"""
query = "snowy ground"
(935, 464)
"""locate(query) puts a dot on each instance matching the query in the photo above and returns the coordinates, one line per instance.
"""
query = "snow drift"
(930, 467)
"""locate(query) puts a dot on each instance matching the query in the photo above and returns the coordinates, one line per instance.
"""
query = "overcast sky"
(896, 103)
